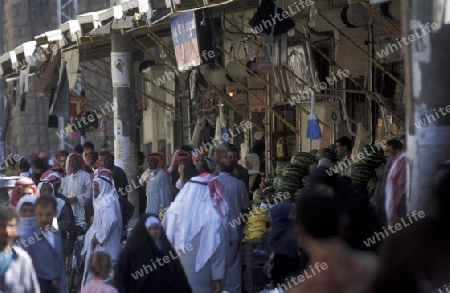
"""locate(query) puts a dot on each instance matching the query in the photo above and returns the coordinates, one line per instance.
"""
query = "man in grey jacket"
(16, 269)
(43, 243)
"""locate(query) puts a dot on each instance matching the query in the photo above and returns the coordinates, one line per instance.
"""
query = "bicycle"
(75, 265)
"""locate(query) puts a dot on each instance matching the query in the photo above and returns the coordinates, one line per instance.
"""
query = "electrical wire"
(229, 101)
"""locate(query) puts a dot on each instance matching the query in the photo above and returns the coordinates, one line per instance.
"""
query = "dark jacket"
(282, 244)
(66, 224)
(121, 183)
(242, 174)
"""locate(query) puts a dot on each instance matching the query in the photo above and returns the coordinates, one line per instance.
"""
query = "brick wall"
(28, 129)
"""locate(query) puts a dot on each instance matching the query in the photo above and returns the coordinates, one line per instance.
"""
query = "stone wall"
(27, 130)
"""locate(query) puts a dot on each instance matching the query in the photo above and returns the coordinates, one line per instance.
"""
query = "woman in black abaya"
(138, 270)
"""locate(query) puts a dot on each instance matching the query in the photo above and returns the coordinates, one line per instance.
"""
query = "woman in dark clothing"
(137, 268)
(282, 244)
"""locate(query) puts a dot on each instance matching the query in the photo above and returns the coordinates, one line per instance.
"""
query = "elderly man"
(195, 226)
(158, 184)
(106, 160)
(24, 186)
(236, 195)
(106, 230)
(16, 273)
(76, 186)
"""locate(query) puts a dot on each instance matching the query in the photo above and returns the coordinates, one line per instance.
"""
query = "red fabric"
(103, 172)
(43, 155)
(54, 177)
(180, 154)
(56, 158)
(215, 192)
(395, 186)
(196, 155)
(22, 182)
(78, 156)
(158, 157)
(33, 156)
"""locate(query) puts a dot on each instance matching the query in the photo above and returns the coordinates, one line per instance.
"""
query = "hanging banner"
(184, 35)
(120, 69)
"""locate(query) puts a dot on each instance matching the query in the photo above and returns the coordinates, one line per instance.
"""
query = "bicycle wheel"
(76, 270)
(77, 276)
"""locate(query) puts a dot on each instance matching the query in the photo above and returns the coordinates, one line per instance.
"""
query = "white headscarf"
(152, 221)
(108, 194)
(195, 211)
(25, 224)
(254, 160)
(60, 203)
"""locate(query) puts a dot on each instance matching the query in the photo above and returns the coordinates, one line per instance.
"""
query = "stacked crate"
(253, 261)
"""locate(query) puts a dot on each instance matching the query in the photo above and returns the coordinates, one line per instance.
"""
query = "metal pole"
(125, 148)
(428, 105)
(58, 13)
(2, 101)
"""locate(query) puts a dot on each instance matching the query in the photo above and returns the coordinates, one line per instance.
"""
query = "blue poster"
(184, 36)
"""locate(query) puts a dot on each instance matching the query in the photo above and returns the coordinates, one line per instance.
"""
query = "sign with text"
(184, 35)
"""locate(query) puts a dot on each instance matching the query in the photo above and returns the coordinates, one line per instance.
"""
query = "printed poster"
(184, 35)
(120, 69)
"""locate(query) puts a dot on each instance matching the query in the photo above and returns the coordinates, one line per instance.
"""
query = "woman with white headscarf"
(106, 230)
(252, 165)
(25, 208)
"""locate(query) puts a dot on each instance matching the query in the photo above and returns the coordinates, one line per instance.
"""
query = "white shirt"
(48, 234)
(77, 185)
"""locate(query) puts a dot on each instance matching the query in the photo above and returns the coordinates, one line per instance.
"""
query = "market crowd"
(183, 240)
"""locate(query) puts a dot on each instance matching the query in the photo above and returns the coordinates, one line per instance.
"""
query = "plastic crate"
(253, 263)
(251, 259)
(254, 280)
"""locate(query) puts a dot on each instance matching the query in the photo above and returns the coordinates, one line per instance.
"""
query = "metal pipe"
(2, 100)
(222, 18)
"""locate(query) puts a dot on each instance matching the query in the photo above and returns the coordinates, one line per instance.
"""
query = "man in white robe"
(106, 230)
(76, 186)
(195, 224)
(236, 195)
